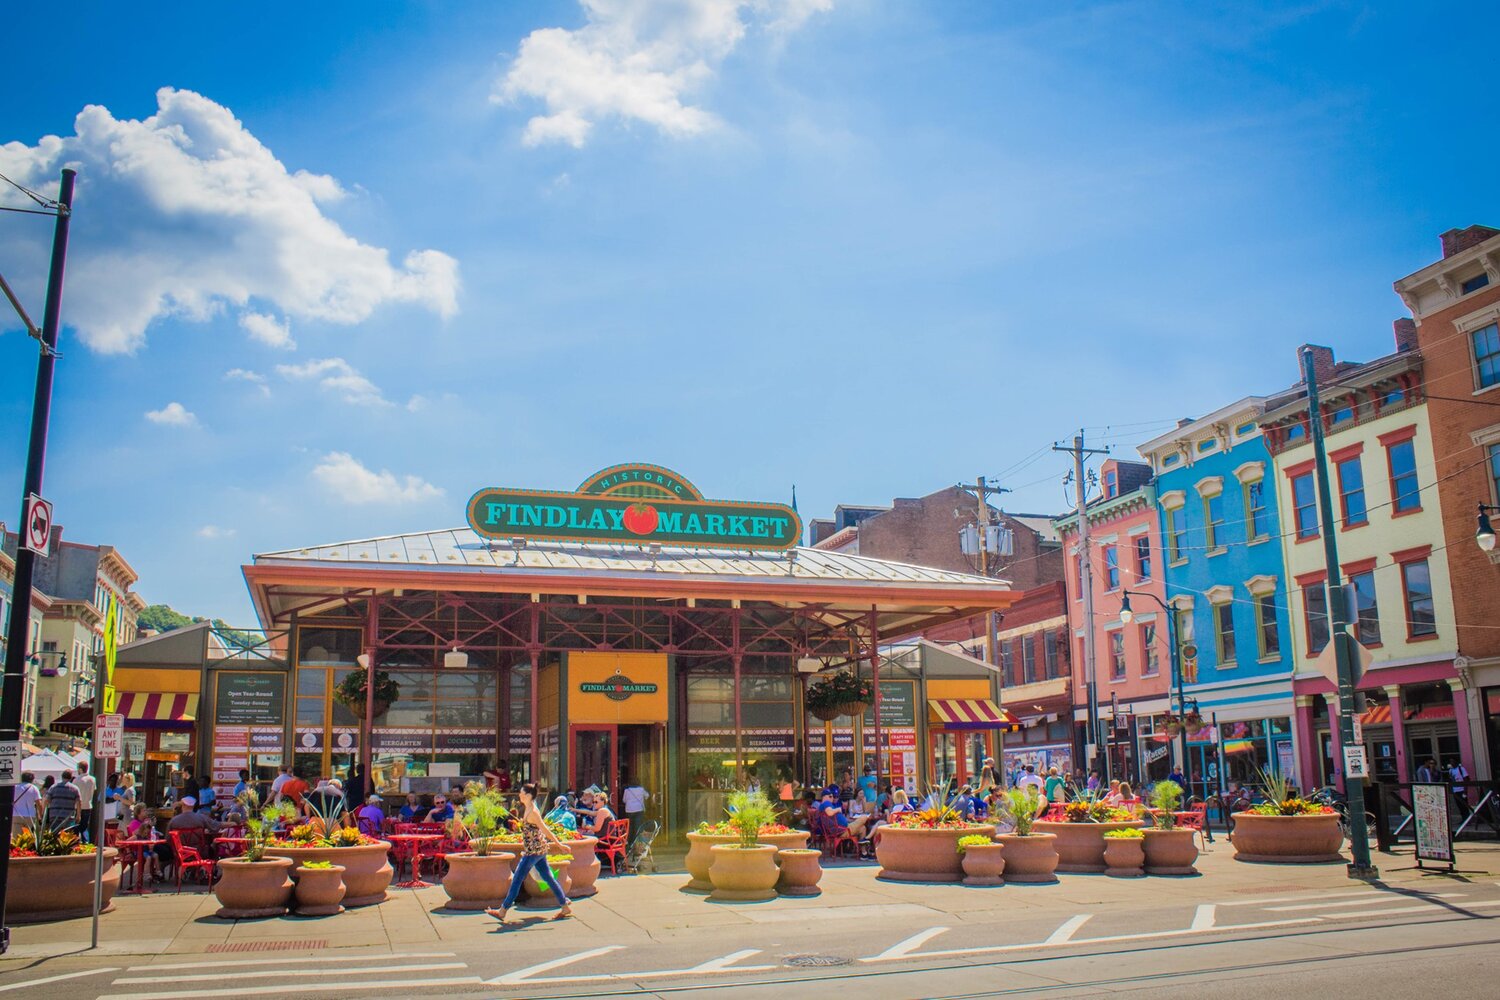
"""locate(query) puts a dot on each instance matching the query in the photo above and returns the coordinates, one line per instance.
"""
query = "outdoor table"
(140, 847)
(235, 842)
(416, 840)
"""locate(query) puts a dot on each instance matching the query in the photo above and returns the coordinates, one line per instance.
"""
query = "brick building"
(1455, 302)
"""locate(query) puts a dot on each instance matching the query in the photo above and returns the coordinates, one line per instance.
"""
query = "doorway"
(605, 756)
(958, 756)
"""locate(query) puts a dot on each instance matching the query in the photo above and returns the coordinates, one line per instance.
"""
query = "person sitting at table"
(597, 813)
(142, 826)
(371, 816)
(1128, 798)
(834, 816)
(900, 803)
(562, 814)
(441, 811)
(188, 818)
(412, 811)
(1112, 797)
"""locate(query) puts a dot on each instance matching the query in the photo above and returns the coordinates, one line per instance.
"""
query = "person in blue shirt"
(867, 787)
(412, 811)
(441, 812)
(206, 796)
(243, 784)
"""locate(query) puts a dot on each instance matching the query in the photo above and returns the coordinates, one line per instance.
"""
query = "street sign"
(10, 762)
(1327, 662)
(1359, 731)
(1355, 763)
(109, 737)
(36, 525)
(1430, 813)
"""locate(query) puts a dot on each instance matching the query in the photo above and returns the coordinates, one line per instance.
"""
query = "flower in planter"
(41, 841)
(973, 840)
(723, 828)
(317, 864)
(748, 813)
(1133, 833)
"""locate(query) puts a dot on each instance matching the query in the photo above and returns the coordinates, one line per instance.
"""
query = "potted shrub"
(255, 884)
(535, 892)
(800, 871)
(1029, 856)
(1169, 850)
(983, 861)
(366, 860)
(745, 871)
(922, 845)
(1124, 853)
(479, 878)
(1286, 829)
(701, 841)
(52, 876)
(350, 692)
(1080, 834)
(843, 693)
(319, 888)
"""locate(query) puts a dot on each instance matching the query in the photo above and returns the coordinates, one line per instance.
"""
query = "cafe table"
(142, 848)
(230, 847)
(416, 840)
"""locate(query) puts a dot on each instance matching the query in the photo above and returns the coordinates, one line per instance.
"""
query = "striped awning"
(1376, 715)
(972, 713)
(158, 709)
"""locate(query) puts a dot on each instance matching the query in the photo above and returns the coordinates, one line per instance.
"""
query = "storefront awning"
(1432, 713)
(78, 719)
(972, 713)
(158, 709)
(1376, 715)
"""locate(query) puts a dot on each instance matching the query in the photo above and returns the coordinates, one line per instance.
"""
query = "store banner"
(891, 739)
(753, 740)
(817, 740)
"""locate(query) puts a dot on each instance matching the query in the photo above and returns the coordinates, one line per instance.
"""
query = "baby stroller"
(639, 854)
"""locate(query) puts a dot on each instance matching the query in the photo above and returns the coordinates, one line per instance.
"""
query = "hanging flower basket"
(853, 709)
(1193, 723)
(1172, 725)
(350, 693)
(825, 712)
(841, 694)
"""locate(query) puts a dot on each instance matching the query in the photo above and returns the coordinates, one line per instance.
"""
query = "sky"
(336, 266)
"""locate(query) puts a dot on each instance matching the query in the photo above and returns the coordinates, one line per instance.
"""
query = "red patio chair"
(836, 837)
(1196, 818)
(614, 843)
(191, 857)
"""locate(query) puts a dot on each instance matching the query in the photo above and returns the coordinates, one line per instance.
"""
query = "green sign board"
(249, 699)
(898, 705)
(634, 505)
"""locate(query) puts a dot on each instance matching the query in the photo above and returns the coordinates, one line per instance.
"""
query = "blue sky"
(867, 248)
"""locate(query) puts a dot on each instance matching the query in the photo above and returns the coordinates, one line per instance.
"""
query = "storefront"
(629, 630)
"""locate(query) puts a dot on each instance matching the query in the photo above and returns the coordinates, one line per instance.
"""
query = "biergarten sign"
(633, 504)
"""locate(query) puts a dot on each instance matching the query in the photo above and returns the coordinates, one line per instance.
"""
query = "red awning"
(78, 719)
(1432, 713)
(1376, 715)
(158, 710)
(972, 713)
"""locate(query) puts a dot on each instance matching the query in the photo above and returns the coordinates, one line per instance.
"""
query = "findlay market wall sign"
(634, 504)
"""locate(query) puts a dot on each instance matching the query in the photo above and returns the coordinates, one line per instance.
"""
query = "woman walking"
(534, 837)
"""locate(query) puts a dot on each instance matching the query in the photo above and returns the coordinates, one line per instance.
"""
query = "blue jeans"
(543, 871)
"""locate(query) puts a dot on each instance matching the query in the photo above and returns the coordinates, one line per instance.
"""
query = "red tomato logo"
(640, 519)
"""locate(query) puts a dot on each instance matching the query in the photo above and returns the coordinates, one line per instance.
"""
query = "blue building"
(1225, 577)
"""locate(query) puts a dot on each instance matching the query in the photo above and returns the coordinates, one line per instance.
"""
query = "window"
(1265, 615)
(1170, 461)
(1111, 483)
(1305, 502)
(1148, 650)
(1315, 606)
(1352, 492)
(1366, 612)
(1078, 575)
(1343, 415)
(1050, 651)
(1008, 663)
(1486, 355)
(1143, 557)
(1475, 283)
(1245, 429)
(1184, 628)
(1392, 397)
(1112, 567)
(1213, 521)
(1117, 655)
(1494, 453)
(1296, 432)
(1405, 494)
(1224, 633)
(1207, 444)
(1028, 658)
(1416, 582)
(1255, 510)
(1174, 534)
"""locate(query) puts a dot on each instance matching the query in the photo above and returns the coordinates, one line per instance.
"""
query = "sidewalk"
(651, 908)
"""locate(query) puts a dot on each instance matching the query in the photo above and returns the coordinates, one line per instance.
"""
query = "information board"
(242, 698)
(1430, 814)
(898, 706)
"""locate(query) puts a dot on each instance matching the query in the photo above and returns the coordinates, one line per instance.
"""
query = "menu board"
(242, 698)
(1434, 837)
(898, 705)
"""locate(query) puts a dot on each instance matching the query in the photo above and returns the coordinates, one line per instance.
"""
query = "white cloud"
(338, 376)
(172, 415)
(214, 532)
(636, 60)
(254, 378)
(186, 213)
(344, 476)
(268, 330)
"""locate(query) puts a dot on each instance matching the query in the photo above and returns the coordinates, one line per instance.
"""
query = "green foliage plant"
(260, 828)
(1022, 807)
(842, 688)
(1277, 786)
(482, 817)
(748, 812)
(351, 690)
(973, 840)
(1166, 797)
(317, 864)
(1133, 833)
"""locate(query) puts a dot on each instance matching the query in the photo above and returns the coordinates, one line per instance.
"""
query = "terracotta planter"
(585, 867)
(320, 891)
(1124, 858)
(1296, 840)
(800, 871)
(1080, 846)
(984, 864)
(477, 883)
(253, 888)
(1031, 858)
(699, 859)
(367, 869)
(1170, 852)
(915, 855)
(534, 892)
(58, 888)
(743, 874)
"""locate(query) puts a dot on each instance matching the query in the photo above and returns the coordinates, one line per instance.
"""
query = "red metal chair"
(369, 827)
(835, 837)
(191, 857)
(1195, 818)
(615, 842)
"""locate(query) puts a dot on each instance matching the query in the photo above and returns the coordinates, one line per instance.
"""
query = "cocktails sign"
(634, 504)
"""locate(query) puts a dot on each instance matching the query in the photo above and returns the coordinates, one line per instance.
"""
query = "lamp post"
(1484, 537)
(1126, 616)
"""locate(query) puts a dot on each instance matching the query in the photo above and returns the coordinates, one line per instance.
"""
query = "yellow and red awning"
(971, 713)
(158, 709)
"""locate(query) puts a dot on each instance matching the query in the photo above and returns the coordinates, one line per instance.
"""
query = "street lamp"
(1127, 615)
(1485, 536)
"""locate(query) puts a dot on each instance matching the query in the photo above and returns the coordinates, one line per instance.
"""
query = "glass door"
(594, 758)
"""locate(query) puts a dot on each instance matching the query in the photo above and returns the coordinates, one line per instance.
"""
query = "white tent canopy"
(48, 762)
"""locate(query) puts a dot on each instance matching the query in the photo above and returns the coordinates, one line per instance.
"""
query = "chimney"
(1323, 369)
(1458, 240)
(1405, 330)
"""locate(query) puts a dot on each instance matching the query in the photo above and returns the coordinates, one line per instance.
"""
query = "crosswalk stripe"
(1360, 902)
(309, 959)
(273, 973)
(30, 983)
(344, 989)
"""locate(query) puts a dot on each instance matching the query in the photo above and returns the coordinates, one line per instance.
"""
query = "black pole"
(1187, 765)
(14, 690)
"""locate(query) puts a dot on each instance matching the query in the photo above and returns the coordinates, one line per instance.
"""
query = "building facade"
(1036, 677)
(1455, 305)
(1225, 578)
(40, 603)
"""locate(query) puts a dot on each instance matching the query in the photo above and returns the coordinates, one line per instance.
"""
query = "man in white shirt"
(87, 787)
(26, 797)
(1031, 778)
(282, 778)
(634, 798)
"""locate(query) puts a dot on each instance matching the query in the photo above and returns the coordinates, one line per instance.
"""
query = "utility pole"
(982, 489)
(1086, 591)
(14, 689)
(1338, 613)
